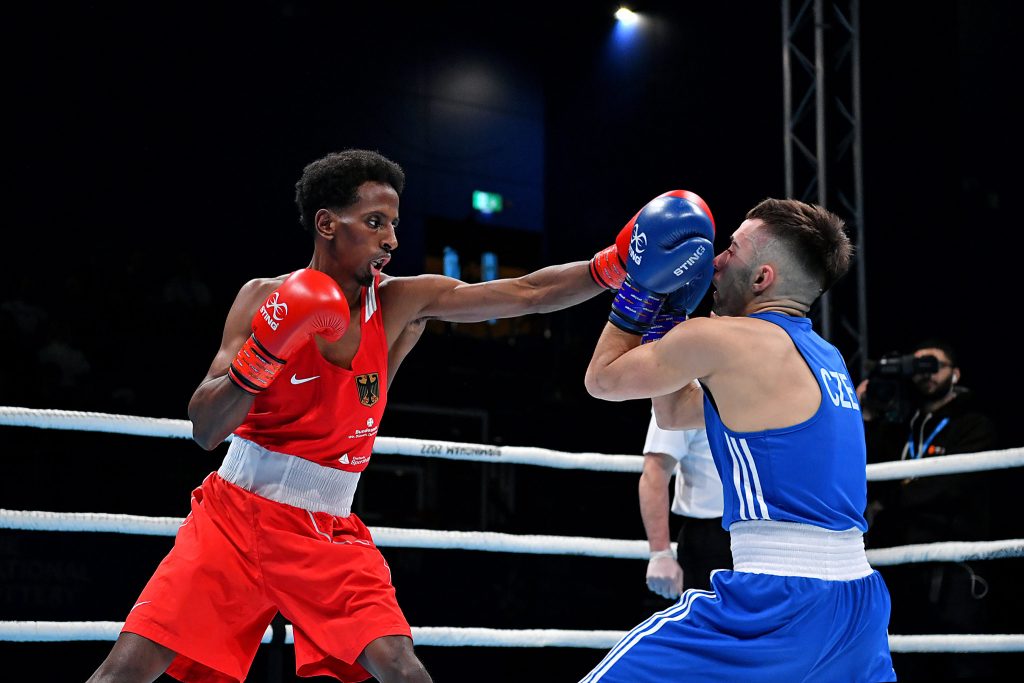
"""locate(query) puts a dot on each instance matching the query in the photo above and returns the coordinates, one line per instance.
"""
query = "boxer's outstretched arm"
(444, 298)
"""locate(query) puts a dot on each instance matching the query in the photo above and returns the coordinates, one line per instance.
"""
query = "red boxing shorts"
(237, 560)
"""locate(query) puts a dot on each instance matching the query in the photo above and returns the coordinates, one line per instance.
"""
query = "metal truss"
(823, 158)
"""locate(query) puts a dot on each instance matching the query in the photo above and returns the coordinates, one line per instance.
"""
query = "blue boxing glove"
(671, 247)
(678, 305)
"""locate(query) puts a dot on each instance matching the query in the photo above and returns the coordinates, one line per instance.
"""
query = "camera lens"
(926, 365)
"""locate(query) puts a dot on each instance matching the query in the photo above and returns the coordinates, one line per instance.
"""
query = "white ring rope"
(95, 422)
(390, 537)
(513, 455)
(36, 631)
(35, 520)
(946, 464)
(947, 551)
(54, 631)
(450, 450)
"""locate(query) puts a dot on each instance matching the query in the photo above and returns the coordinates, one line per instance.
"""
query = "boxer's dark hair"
(815, 236)
(333, 181)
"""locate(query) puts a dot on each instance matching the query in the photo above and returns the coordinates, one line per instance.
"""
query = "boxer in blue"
(784, 424)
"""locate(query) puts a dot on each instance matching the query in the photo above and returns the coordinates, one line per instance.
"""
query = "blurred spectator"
(703, 545)
(940, 418)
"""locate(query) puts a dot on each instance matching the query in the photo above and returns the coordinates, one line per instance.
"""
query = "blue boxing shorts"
(761, 628)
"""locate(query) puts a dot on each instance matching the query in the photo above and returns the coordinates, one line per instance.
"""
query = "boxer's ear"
(324, 224)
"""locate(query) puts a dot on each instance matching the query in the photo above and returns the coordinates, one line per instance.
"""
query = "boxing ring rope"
(38, 631)
(490, 541)
(511, 455)
(444, 636)
(58, 631)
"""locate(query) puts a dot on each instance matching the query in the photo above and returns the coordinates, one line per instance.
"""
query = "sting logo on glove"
(637, 245)
(694, 258)
(276, 314)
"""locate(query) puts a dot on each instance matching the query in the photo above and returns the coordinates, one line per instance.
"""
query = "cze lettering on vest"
(844, 395)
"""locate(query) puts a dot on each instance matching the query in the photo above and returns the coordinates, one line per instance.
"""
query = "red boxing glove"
(306, 304)
(608, 267)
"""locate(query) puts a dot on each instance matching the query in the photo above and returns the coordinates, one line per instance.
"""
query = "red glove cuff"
(254, 368)
(607, 269)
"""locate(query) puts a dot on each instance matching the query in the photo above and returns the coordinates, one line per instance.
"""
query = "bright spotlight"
(626, 16)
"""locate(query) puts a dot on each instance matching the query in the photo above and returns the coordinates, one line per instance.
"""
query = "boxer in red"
(300, 382)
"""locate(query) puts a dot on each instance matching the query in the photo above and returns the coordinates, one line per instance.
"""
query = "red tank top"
(321, 412)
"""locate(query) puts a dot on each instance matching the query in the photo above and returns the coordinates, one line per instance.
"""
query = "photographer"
(914, 406)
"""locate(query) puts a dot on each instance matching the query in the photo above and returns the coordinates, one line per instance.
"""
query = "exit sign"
(487, 202)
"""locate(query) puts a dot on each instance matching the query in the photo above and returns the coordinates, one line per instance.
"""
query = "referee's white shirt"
(698, 488)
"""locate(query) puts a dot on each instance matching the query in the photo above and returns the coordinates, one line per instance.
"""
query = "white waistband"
(790, 549)
(288, 479)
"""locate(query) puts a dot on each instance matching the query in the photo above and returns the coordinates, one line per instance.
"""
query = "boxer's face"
(734, 270)
(364, 234)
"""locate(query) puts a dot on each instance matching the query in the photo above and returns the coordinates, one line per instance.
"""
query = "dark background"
(151, 154)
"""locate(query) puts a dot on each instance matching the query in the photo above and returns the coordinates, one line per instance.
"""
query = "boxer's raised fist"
(678, 305)
(307, 303)
(671, 246)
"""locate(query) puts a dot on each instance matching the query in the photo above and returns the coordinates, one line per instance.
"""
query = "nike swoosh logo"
(139, 604)
(296, 380)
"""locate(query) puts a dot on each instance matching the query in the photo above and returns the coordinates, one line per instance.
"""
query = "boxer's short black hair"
(333, 181)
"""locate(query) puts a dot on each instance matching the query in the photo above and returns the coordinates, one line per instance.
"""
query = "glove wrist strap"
(254, 368)
(635, 308)
(606, 268)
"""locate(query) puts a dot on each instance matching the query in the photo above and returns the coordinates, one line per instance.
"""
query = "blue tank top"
(812, 472)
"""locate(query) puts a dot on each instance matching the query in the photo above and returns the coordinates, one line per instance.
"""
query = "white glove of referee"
(664, 575)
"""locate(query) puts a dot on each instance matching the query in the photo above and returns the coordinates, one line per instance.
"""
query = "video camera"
(889, 393)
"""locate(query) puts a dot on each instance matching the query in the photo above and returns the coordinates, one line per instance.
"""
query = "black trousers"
(941, 597)
(703, 547)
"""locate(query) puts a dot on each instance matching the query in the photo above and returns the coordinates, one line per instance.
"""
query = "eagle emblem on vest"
(368, 386)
